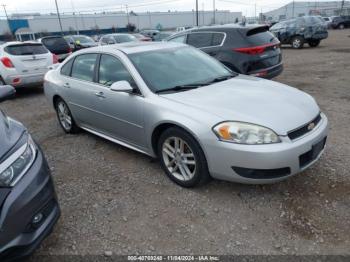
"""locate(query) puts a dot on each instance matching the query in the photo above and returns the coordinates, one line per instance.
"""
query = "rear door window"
(217, 38)
(66, 69)
(26, 49)
(84, 66)
(200, 39)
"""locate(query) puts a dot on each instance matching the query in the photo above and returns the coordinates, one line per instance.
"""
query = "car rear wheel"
(314, 43)
(182, 158)
(65, 117)
(298, 42)
(341, 26)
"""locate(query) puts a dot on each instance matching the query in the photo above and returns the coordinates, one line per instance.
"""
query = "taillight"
(55, 58)
(69, 50)
(255, 50)
(7, 62)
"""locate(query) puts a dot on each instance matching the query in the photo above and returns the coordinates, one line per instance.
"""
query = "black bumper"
(33, 194)
(268, 73)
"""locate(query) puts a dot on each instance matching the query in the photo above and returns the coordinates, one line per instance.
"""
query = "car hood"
(10, 133)
(253, 100)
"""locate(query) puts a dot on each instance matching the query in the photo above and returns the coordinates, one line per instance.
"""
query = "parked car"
(340, 22)
(250, 50)
(152, 33)
(328, 21)
(112, 39)
(143, 38)
(28, 203)
(202, 120)
(57, 45)
(296, 32)
(24, 63)
(77, 42)
(163, 35)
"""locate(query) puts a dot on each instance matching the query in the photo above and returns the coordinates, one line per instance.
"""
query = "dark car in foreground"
(340, 22)
(296, 32)
(77, 42)
(28, 202)
(57, 45)
(249, 50)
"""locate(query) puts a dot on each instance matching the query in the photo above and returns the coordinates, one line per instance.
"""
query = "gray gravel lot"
(116, 200)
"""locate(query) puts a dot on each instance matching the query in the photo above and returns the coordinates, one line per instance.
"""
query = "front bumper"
(33, 194)
(25, 80)
(223, 156)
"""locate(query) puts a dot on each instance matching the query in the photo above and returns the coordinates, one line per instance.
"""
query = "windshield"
(83, 39)
(169, 68)
(124, 38)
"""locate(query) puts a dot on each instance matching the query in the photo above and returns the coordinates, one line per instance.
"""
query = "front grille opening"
(304, 129)
(262, 173)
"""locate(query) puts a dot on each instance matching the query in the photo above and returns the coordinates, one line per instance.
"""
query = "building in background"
(102, 23)
(297, 9)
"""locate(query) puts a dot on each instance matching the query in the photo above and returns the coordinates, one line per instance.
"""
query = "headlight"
(244, 133)
(14, 167)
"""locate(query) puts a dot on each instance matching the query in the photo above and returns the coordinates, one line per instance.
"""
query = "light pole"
(197, 15)
(214, 12)
(7, 18)
(59, 17)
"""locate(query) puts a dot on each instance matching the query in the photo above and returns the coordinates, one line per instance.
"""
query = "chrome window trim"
(210, 32)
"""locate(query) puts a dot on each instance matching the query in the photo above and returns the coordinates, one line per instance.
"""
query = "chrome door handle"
(66, 85)
(100, 94)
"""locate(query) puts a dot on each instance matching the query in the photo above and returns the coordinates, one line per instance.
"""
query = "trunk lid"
(29, 57)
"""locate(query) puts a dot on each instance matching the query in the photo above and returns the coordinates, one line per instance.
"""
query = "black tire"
(297, 42)
(314, 43)
(201, 173)
(72, 128)
(341, 26)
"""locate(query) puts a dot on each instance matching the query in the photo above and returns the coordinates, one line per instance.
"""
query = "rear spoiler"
(257, 30)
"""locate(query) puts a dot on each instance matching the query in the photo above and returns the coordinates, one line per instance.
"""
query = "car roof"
(20, 43)
(134, 47)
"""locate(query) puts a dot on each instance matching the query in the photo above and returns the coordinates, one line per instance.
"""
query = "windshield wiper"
(220, 79)
(179, 88)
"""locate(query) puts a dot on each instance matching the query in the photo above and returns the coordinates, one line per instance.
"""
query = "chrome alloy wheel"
(296, 43)
(64, 115)
(179, 158)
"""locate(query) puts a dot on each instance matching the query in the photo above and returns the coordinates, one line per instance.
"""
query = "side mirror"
(6, 92)
(122, 86)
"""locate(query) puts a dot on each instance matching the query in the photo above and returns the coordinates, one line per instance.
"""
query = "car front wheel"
(182, 158)
(65, 117)
(298, 42)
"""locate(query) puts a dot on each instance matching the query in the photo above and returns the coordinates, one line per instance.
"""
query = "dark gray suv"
(28, 202)
(296, 32)
(249, 50)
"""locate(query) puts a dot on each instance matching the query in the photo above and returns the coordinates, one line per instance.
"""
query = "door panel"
(120, 115)
(79, 89)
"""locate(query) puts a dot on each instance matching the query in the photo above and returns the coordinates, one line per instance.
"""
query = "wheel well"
(157, 132)
(55, 99)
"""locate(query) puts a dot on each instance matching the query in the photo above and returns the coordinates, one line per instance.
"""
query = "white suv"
(24, 63)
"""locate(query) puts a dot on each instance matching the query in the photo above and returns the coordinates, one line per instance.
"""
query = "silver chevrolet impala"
(174, 102)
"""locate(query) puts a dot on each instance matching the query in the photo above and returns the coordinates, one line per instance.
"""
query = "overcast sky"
(247, 7)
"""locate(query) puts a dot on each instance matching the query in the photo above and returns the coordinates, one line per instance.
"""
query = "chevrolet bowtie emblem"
(311, 126)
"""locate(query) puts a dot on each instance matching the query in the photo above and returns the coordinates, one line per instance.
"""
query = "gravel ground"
(116, 201)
